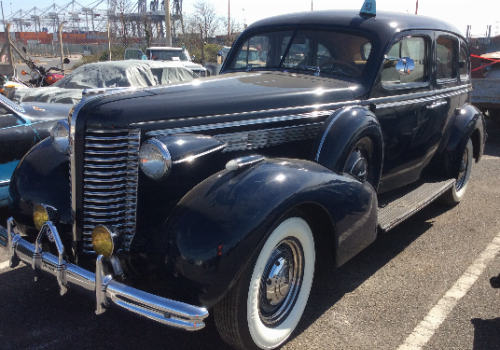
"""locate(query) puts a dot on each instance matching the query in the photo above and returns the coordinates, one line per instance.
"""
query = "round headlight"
(35, 74)
(40, 215)
(102, 241)
(154, 159)
(59, 135)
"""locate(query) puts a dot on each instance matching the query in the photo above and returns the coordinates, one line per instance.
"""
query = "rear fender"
(217, 226)
(468, 124)
(340, 133)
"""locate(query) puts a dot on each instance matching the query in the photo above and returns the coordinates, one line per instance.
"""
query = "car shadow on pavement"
(331, 284)
(485, 333)
(34, 316)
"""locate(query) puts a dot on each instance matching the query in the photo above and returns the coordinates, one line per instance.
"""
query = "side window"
(446, 58)
(254, 52)
(463, 63)
(414, 48)
(7, 119)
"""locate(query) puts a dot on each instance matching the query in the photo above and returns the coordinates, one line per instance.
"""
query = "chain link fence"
(88, 47)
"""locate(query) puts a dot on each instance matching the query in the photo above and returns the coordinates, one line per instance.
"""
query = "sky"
(477, 13)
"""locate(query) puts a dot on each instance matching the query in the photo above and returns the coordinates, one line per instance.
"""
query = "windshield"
(321, 51)
(167, 55)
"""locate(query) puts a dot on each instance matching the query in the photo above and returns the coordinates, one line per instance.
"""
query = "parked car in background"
(176, 54)
(21, 127)
(111, 74)
(134, 54)
(224, 193)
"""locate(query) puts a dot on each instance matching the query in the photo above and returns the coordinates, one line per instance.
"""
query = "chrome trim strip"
(427, 97)
(106, 290)
(11, 105)
(190, 158)
(240, 123)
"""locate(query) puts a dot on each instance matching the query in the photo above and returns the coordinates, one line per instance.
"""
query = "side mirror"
(405, 66)
(66, 60)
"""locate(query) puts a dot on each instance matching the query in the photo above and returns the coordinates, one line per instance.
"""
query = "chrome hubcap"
(281, 281)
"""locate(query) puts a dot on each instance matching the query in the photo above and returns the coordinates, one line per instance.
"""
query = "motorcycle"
(40, 76)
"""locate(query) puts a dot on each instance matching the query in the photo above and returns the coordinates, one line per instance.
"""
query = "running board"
(393, 211)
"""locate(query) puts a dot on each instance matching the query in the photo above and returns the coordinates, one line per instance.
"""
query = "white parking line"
(4, 265)
(428, 326)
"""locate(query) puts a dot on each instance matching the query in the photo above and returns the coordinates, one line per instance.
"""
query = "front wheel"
(266, 304)
(455, 194)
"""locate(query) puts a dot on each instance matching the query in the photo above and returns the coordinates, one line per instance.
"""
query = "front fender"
(340, 133)
(42, 176)
(216, 227)
(468, 123)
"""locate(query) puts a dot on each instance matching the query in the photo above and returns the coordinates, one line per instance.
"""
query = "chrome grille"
(110, 182)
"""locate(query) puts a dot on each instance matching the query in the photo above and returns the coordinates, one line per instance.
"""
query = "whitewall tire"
(267, 303)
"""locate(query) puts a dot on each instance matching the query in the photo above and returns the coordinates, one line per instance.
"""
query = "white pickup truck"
(486, 91)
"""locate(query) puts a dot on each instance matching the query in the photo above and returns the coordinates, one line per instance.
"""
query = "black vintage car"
(221, 192)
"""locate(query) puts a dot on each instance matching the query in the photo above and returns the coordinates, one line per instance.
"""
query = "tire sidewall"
(265, 337)
(459, 194)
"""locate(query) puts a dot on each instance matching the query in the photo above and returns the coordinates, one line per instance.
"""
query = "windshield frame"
(309, 70)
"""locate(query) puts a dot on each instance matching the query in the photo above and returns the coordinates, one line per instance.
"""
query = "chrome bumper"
(107, 291)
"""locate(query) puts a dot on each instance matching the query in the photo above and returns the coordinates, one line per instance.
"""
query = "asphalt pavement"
(422, 285)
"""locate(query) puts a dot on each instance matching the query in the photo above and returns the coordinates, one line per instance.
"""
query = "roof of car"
(388, 21)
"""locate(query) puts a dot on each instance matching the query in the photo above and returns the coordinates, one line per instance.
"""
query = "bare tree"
(206, 15)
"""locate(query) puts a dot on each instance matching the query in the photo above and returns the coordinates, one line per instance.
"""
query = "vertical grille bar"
(110, 182)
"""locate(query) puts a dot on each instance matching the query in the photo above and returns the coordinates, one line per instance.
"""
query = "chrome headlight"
(155, 159)
(35, 74)
(59, 135)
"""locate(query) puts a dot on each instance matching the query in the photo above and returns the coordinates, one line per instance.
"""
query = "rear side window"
(446, 58)
(463, 63)
(414, 48)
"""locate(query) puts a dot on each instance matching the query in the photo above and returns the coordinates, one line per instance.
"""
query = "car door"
(401, 108)
(16, 138)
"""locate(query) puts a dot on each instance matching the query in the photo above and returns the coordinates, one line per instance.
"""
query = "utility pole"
(228, 18)
(416, 8)
(312, 5)
(168, 28)
(3, 17)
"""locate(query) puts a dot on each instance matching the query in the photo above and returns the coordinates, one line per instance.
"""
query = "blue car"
(21, 127)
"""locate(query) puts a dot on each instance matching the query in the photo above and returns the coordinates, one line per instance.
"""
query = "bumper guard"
(106, 290)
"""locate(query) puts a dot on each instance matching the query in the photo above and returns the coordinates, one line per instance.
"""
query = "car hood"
(38, 112)
(222, 96)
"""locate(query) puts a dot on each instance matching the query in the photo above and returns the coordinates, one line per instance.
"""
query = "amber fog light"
(43, 213)
(104, 240)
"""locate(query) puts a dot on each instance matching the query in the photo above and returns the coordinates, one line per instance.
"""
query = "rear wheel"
(266, 304)
(455, 194)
